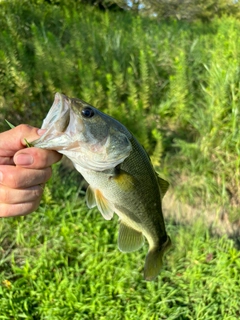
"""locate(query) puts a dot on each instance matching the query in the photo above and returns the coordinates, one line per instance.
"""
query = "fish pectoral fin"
(163, 185)
(153, 261)
(104, 206)
(129, 239)
(95, 198)
(90, 198)
(124, 180)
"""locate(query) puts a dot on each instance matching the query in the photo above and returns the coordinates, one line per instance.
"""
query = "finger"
(6, 160)
(20, 178)
(14, 139)
(19, 209)
(36, 158)
(14, 196)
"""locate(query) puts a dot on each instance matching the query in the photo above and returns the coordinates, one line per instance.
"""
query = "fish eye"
(87, 112)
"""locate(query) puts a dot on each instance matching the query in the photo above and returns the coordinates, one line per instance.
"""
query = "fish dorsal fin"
(104, 206)
(129, 239)
(163, 185)
(90, 198)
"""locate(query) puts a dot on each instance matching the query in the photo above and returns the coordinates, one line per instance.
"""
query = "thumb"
(14, 139)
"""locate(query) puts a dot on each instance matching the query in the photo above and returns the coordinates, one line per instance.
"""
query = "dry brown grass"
(216, 219)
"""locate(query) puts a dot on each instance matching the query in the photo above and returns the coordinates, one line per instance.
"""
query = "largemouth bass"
(119, 172)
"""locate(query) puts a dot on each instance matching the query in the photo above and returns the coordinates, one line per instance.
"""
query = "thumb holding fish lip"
(15, 139)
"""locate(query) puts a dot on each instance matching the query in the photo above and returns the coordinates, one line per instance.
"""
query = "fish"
(119, 172)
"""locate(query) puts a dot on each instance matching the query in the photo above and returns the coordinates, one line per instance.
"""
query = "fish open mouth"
(59, 123)
(59, 114)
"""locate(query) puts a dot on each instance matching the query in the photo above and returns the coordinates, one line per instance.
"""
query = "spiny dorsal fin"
(128, 238)
(163, 185)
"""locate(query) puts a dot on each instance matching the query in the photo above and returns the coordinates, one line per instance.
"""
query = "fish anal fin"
(90, 198)
(129, 239)
(163, 185)
(104, 206)
(153, 261)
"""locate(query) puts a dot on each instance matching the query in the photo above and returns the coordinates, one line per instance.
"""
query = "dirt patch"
(216, 219)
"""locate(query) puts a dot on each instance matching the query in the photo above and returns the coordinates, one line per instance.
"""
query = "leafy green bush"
(175, 85)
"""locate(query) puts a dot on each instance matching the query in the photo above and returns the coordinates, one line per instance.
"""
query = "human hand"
(23, 171)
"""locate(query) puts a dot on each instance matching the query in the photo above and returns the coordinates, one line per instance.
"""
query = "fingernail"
(23, 159)
(1, 176)
(41, 131)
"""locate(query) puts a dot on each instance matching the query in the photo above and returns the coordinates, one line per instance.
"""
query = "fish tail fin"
(154, 262)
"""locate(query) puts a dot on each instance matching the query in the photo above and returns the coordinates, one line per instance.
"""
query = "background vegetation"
(188, 10)
(175, 85)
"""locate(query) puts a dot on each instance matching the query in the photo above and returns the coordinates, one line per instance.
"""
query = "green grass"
(176, 87)
(62, 262)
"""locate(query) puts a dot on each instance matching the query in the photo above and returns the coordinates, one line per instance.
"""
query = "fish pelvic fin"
(129, 239)
(90, 198)
(153, 262)
(104, 206)
(94, 197)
